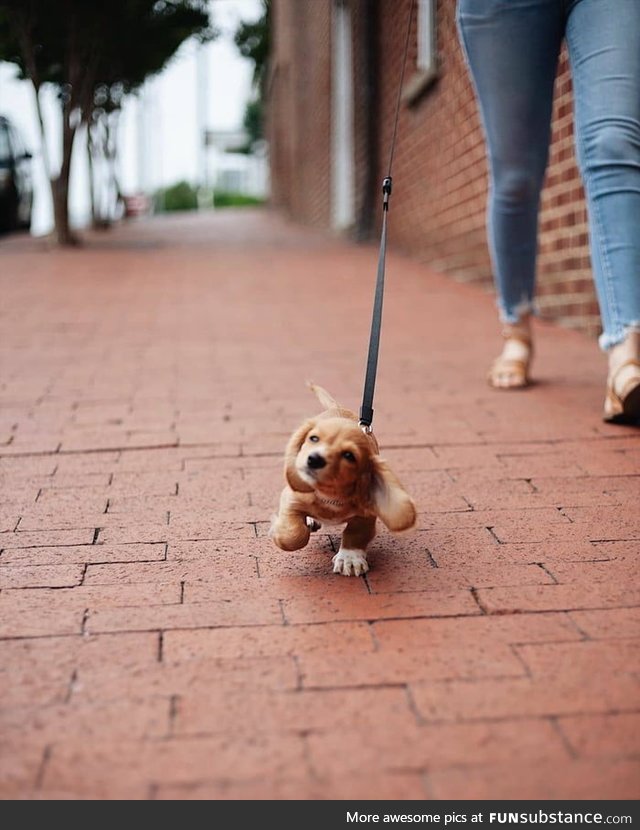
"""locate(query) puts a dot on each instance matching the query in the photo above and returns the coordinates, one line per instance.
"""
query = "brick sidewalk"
(156, 645)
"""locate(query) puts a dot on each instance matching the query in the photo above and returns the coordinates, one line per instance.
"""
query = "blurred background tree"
(253, 42)
(253, 121)
(184, 196)
(94, 53)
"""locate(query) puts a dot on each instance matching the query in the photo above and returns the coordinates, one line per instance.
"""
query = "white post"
(342, 133)
(202, 106)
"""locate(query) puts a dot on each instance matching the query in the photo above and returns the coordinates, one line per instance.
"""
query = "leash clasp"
(387, 186)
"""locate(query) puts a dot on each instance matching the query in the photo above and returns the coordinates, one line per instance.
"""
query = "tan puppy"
(334, 473)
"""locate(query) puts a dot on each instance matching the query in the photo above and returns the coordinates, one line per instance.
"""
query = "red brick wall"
(440, 180)
(279, 110)
(565, 285)
(439, 170)
(300, 109)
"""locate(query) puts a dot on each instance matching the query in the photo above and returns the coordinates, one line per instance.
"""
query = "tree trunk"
(64, 234)
(59, 184)
(113, 121)
(92, 186)
(61, 212)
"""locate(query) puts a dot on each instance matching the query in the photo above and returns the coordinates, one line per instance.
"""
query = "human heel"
(623, 407)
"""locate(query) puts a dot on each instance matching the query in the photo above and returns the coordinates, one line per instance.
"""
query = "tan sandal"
(623, 408)
(517, 368)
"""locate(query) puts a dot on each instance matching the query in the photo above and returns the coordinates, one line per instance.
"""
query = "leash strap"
(366, 410)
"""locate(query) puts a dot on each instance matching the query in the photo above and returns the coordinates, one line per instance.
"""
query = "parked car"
(16, 185)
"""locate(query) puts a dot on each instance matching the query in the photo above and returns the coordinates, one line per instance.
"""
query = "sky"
(159, 128)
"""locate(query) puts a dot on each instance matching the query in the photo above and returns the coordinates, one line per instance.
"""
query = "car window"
(5, 147)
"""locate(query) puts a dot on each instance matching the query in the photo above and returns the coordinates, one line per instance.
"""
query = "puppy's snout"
(316, 461)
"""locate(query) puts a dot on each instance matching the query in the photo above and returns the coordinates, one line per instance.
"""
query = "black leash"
(366, 410)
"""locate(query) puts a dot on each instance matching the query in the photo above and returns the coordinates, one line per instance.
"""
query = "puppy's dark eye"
(349, 456)
(313, 438)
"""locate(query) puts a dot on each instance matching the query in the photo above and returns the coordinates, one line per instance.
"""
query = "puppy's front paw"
(348, 562)
(312, 524)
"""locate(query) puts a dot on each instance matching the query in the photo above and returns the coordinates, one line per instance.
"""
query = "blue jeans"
(512, 48)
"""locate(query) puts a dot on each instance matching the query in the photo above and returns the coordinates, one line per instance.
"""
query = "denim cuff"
(608, 340)
(514, 315)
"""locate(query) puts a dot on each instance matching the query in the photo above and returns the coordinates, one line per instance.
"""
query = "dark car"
(16, 187)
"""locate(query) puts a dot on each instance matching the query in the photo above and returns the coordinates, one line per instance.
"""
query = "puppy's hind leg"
(352, 556)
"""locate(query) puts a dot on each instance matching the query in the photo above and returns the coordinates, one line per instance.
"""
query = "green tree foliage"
(253, 41)
(93, 53)
(180, 196)
(183, 196)
(254, 120)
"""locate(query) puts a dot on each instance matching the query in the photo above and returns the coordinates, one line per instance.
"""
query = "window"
(427, 52)
(426, 36)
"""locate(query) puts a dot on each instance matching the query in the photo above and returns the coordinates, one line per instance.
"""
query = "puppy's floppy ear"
(290, 454)
(391, 501)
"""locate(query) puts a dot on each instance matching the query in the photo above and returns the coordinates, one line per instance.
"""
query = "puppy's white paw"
(348, 562)
(312, 524)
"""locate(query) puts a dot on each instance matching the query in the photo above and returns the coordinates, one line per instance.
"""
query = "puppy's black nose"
(316, 461)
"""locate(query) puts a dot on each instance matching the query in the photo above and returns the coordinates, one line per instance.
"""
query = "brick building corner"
(333, 81)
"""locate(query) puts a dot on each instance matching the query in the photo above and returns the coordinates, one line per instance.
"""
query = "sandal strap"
(515, 335)
(510, 362)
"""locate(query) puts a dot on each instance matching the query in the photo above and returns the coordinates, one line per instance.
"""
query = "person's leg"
(512, 51)
(604, 49)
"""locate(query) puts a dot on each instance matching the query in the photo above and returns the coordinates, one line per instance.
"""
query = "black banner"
(305, 815)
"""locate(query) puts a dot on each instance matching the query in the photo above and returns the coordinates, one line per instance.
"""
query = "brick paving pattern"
(154, 643)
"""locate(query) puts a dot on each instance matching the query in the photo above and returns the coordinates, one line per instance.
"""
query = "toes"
(506, 380)
(341, 566)
(349, 565)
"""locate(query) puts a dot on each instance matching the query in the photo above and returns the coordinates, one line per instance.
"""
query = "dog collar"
(332, 502)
